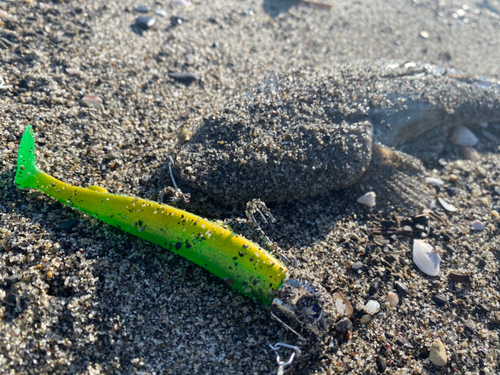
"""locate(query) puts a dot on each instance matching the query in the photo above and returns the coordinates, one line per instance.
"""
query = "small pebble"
(470, 153)
(459, 277)
(424, 34)
(145, 22)
(439, 300)
(356, 266)
(463, 136)
(495, 214)
(186, 78)
(161, 13)
(437, 353)
(381, 364)
(477, 225)
(10, 280)
(365, 319)
(393, 299)
(143, 9)
(453, 178)
(368, 199)
(343, 325)
(372, 307)
(401, 288)
(374, 287)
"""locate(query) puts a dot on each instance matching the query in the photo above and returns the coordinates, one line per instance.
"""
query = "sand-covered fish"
(306, 132)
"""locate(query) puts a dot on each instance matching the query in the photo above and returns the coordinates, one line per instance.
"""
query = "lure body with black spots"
(241, 263)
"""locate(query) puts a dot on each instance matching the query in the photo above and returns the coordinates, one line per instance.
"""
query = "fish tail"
(27, 170)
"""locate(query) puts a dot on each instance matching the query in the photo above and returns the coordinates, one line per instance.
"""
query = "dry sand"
(92, 299)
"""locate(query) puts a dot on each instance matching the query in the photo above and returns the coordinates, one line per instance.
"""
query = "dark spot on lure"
(241, 254)
(228, 280)
(251, 259)
(235, 258)
(188, 245)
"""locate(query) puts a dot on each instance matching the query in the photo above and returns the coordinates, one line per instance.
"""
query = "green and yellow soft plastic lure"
(239, 262)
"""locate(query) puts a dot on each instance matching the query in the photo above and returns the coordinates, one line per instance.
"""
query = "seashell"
(462, 136)
(372, 307)
(447, 206)
(484, 125)
(393, 299)
(426, 259)
(477, 225)
(368, 199)
(470, 153)
(434, 181)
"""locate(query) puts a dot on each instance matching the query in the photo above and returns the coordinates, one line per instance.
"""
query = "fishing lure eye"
(305, 305)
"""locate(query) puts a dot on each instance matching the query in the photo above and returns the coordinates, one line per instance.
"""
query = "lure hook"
(282, 364)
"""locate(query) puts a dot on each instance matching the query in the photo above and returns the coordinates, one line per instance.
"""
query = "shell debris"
(426, 259)
(368, 199)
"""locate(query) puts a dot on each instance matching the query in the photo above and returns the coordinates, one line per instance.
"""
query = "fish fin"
(27, 170)
(97, 188)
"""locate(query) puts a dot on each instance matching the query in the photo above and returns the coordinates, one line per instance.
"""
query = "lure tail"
(27, 170)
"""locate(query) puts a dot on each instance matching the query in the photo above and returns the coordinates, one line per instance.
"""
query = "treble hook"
(281, 364)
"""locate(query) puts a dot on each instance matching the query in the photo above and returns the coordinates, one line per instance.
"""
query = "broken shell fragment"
(426, 259)
(393, 299)
(477, 225)
(372, 307)
(368, 199)
(447, 206)
(462, 136)
(434, 181)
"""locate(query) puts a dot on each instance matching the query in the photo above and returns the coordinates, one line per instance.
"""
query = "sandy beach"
(81, 297)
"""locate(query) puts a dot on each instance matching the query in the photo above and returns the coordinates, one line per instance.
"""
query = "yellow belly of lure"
(239, 262)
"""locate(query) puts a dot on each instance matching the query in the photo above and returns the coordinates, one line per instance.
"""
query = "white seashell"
(368, 199)
(462, 136)
(426, 259)
(393, 299)
(447, 206)
(434, 181)
(372, 307)
(477, 225)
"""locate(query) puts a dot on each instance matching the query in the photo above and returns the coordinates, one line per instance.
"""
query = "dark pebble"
(421, 219)
(343, 325)
(401, 288)
(400, 342)
(439, 300)
(381, 364)
(142, 9)
(12, 298)
(469, 329)
(482, 263)
(186, 78)
(10, 280)
(374, 287)
(460, 277)
(145, 22)
(390, 258)
(67, 225)
(388, 223)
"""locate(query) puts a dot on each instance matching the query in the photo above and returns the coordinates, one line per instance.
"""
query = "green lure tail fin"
(27, 170)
